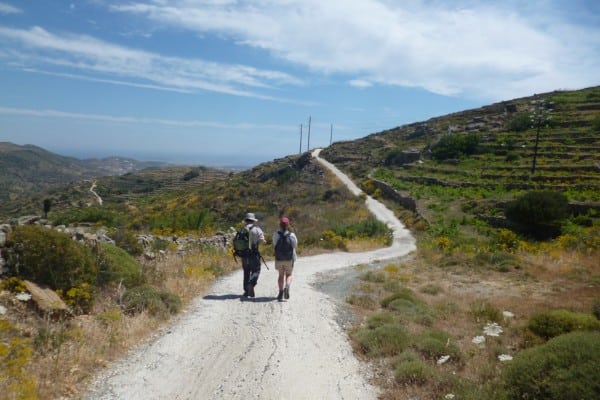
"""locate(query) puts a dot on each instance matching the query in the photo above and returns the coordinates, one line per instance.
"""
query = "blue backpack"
(284, 250)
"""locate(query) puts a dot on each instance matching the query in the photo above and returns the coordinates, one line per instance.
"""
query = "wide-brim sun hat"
(250, 217)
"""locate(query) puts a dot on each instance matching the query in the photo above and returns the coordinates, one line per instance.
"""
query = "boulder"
(28, 219)
(46, 300)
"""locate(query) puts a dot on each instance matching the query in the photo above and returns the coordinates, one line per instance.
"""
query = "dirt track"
(228, 347)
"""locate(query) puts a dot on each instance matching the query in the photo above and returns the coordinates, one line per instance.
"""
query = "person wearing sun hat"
(251, 263)
(285, 243)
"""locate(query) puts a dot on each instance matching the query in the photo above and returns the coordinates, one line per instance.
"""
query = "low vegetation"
(500, 301)
(116, 297)
(506, 276)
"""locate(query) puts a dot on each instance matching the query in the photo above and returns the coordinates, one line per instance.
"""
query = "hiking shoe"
(280, 295)
(286, 292)
(251, 291)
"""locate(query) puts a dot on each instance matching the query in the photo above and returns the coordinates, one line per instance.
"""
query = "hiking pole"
(263, 260)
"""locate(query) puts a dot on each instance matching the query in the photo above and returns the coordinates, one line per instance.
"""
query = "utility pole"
(539, 117)
(308, 144)
(300, 149)
(331, 135)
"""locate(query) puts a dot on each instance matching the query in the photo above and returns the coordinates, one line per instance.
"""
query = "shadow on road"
(240, 297)
(222, 297)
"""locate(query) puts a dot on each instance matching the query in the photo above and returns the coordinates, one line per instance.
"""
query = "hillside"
(460, 317)
(499, 167)
(568, 151)
(30, 169)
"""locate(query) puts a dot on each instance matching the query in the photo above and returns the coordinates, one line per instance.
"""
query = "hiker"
(251, 260)
(285, 243)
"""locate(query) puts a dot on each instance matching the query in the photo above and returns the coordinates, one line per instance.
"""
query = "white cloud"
(39, 47)
(8, 9)
(468, 48)
(360, 83)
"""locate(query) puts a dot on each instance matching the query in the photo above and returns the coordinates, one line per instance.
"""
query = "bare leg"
(288, 282)
(281, 279)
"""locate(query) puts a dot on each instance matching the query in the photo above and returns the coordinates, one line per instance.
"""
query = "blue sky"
(222, 82)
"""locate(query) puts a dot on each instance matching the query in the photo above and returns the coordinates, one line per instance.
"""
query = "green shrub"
(539, 212)
(373, 276)
(500, 261)
(94, 214)
(49, 257)
(414, 310)
(512, 156)
(126, 240)
(362, 300)
(13, 285)
(384, 340)
(408, 306)
(191, 174)
(432, 289)
(564, 368)
(330, 240)
(557, 322)
(147, 298)
(596, 123)
(520, 123)
(80, 298)
(370, 228)
(379, 319)
(455, 146)
(484, 312)
(16, 379)
(117, 265)
(403, 293)
(435, 344)
(413, 372)
(182, 220)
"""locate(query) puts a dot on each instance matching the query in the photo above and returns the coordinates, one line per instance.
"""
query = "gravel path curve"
(228, 347)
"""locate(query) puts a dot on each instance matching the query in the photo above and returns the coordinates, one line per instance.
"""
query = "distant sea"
(224, 161)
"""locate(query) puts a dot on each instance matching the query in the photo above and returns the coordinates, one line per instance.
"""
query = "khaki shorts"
(285, 266)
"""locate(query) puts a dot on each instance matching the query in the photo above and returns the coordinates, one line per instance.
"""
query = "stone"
(46, 300)
(28, 219)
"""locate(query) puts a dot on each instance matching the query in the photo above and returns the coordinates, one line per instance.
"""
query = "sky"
(236, 82)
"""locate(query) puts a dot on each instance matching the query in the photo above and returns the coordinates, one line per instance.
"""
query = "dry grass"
(462, 298)
(66, 354)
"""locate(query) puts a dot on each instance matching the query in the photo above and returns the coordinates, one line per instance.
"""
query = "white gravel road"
(227, 347)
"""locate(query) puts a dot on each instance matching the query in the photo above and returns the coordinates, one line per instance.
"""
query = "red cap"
(284, 220)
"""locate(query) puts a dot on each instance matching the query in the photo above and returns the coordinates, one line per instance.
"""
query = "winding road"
(228, 347)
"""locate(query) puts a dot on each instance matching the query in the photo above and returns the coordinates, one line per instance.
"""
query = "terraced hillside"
(500, 163)
(156, 182)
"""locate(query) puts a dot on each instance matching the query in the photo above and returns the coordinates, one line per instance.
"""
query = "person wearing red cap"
(285, 243)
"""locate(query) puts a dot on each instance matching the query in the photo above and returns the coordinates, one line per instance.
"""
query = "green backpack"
(241, 243)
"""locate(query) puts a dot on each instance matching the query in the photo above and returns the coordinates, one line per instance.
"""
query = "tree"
(539, 212)
(455, 146)
(47, 206)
